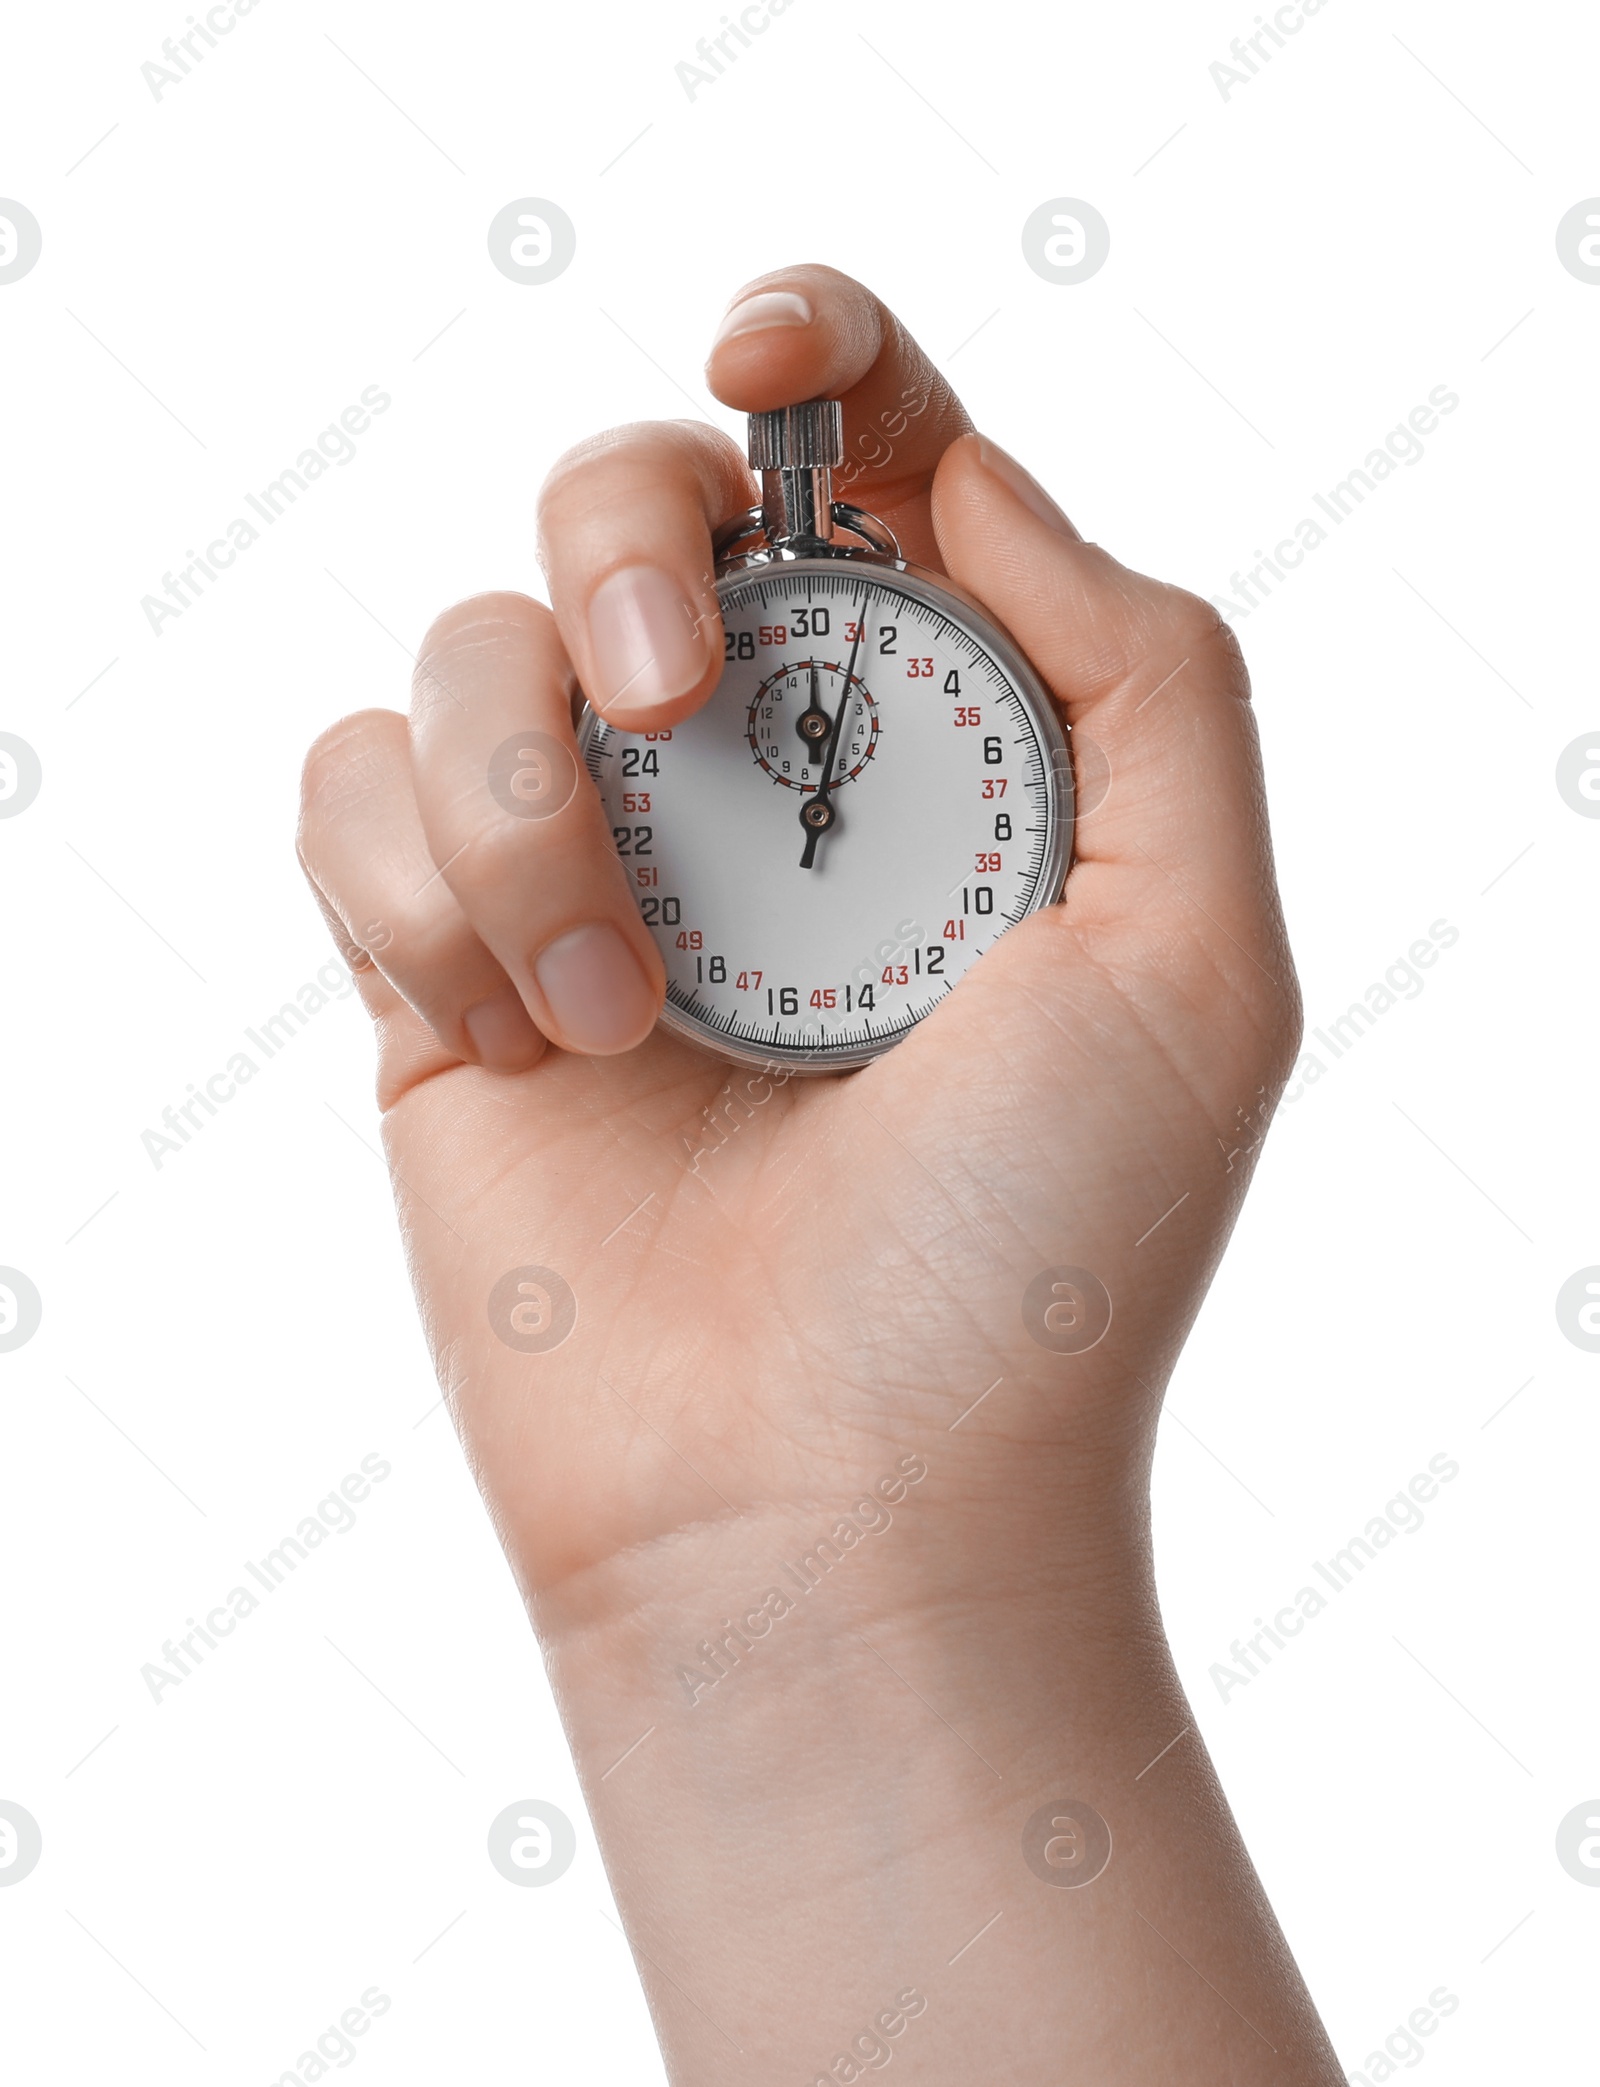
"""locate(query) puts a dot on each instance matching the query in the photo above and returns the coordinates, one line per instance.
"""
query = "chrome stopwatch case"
(876, 790)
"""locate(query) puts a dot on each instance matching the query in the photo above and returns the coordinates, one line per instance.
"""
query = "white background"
(1369, 217)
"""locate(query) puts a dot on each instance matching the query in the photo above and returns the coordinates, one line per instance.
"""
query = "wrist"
(815, 1760)
(930, 1546)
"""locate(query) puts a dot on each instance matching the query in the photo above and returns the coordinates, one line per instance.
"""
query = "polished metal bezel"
(941, 594)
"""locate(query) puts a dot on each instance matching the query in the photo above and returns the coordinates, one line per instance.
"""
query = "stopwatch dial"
(944, 816)
(791, 718)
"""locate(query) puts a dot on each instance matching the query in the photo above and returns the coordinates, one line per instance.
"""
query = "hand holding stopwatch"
(846, 670)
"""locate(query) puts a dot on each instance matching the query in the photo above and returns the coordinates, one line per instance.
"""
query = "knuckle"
(498, 609)
(494, 854)
(653, 444)
(1287, 1024)
(422, 939)
(498, 627)
(1199, 628)
(1269, 1002)
(596, 471)
(339, 763)
(609, 470)
(486, 834)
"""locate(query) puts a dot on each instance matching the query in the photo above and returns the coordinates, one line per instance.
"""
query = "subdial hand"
(816, 812)
(813, 724)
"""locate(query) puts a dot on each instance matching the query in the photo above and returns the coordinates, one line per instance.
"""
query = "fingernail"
(1024, 486)
(598, 996)
(766, 308)
(502, 1032)
(648, 647)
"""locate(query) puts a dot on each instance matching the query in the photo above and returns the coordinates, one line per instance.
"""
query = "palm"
(777, 1283)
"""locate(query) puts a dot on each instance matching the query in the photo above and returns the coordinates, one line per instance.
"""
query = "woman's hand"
(787, 1293)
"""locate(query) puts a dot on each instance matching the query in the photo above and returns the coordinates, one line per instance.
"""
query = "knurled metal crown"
(808, 437)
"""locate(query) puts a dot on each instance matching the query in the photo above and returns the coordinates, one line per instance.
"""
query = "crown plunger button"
(796, 448)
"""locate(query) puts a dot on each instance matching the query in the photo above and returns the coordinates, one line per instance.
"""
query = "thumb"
(1172, 835)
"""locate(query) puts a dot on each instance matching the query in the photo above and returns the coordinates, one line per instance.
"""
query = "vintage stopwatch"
(877, 789)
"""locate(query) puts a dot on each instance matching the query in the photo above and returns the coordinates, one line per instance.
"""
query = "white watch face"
(877, 789)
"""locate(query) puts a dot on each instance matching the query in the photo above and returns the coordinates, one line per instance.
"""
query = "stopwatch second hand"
(817, 813)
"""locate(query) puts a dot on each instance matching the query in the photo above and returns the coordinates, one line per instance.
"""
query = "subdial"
(785, 712)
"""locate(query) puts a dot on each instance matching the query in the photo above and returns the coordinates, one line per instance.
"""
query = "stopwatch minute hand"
(817, 813)
(812, 717)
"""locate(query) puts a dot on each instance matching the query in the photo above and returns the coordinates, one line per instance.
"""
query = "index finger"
(810, 332)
